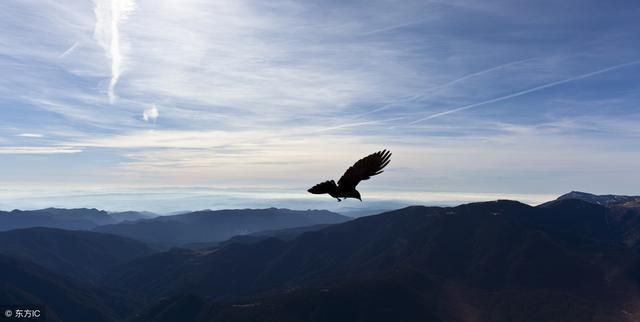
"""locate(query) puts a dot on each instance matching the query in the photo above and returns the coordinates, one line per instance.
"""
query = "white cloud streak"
(37, 150)
(30, 135)
(109, 15)
(69, 51)
(355, 124)
(430, 91)
(527, 91)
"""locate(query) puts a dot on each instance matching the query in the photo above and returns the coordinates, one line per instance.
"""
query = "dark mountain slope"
(616, 221)
(282, 234)
(497, 261)
(81, 255)
(626, 220)
(491, 246)
(391, 297)
(212, 226)
(64, 300)
(577, 217)
(403, 297)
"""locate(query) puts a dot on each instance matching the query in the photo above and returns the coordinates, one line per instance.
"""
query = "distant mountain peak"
(603, 200)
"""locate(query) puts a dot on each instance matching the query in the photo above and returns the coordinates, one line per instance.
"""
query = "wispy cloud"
(253, 92)
(37, 150)
(355, 124)
(30, 135)
(109, 15)
(166, 199)
(527, 91)
(151, 113)
(432, 90)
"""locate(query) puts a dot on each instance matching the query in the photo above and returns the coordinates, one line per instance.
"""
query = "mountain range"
(80, 218)
(495, 261)
(214, 226)
(572, 259)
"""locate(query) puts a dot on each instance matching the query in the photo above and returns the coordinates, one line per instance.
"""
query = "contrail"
(113, 11)
(527, 91)
(425, 94)
(342, 126)
(434, 89)
(393, 27)
(70, 50)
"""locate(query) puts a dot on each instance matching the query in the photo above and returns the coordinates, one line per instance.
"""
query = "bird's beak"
(360, 199)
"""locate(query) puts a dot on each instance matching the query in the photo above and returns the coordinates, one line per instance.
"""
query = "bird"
(363, 169)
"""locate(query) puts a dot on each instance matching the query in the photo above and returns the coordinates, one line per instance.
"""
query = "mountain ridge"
(476, 256)
(372, 240)
(217, 225)
(603, 200)
(498, 261)
(64, 218)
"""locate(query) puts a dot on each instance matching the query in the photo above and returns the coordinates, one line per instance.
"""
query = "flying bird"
(364, 169)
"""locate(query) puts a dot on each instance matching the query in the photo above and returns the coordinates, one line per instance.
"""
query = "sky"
(171, 105)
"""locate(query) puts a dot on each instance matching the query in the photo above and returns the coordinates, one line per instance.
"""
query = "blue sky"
(184, 104)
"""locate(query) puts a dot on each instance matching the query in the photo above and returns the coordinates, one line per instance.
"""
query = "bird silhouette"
(364, 169)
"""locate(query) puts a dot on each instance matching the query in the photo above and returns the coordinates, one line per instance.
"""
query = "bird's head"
(355, 194)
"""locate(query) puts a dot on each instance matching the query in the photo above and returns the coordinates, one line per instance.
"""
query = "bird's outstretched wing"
(324, 187)
(364, 169)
